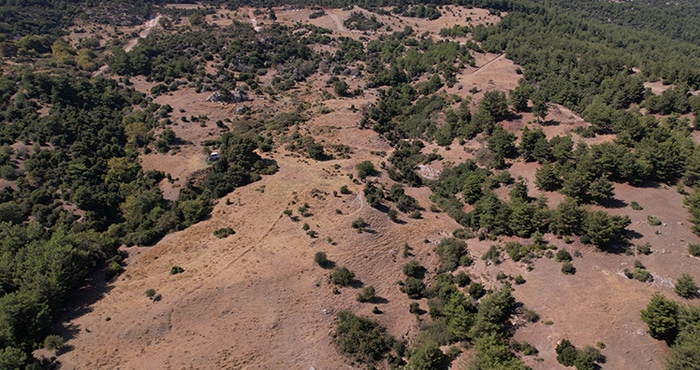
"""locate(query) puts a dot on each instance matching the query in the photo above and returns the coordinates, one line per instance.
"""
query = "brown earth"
(256, 300)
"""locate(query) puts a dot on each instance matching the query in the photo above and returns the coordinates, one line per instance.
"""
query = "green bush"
(366, 295)
(53, 342)
(451, 251)
(414, 288)
(150, 293)
(653, 221)
(694, 250)
(642, 275)
(413, 268)
(361, 338)
(568, 269)
(223, 232)
(114, 269)
(176, 270)
(414, 308)
(359, 224)
(644, 249)
(322, 260)
(393, 215)
(342, 276)
(462, 279)
(685, 286)
(492, 254)
(566, 353)
(364, 169)
(563, 256)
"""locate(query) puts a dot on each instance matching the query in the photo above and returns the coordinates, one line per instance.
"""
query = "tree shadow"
(550, 122)
(356, 284)
(647, 184)
(513, 116)
(631, 234)
(327, 265)
(378, 300)
(614, 203)
(80, 303)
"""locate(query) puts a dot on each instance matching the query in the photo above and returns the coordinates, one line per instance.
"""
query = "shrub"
(306, 227)
(462, 233)
(361, 338)
(414, 288)
(150, 293)
(53, 342)
(519, 280)
(393, 215)
(344, 190)
(462, 279)
(524, 347)
(566, 353)
(492, 255)
(322, 260)
(644, 249)
(635, 206)
(694, 249)
(413, 268)
(359, 224)
(685, 286)
(342, 276)
(176, 270)
(530, 315)
(364, 169)
(451, 251)
(114, 269)
(563, 256)
(416, 215)
(568, 269)
(366, 295)
(642, 275)
(653, 221)
(224, 232)
(414, 308)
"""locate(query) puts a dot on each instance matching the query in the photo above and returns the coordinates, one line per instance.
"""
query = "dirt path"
(147, 28)
(494, 60)
(338, 22)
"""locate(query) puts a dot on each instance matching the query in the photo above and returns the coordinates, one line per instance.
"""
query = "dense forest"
(70, 143)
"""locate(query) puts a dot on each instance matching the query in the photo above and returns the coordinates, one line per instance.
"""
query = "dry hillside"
(257, 300)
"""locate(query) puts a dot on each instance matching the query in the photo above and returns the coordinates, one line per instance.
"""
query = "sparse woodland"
(74, 191)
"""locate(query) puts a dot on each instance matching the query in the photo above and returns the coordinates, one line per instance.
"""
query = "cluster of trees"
(585, 359)
(679, 326)
(479, 318)
(522, 216)
(359, 21)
